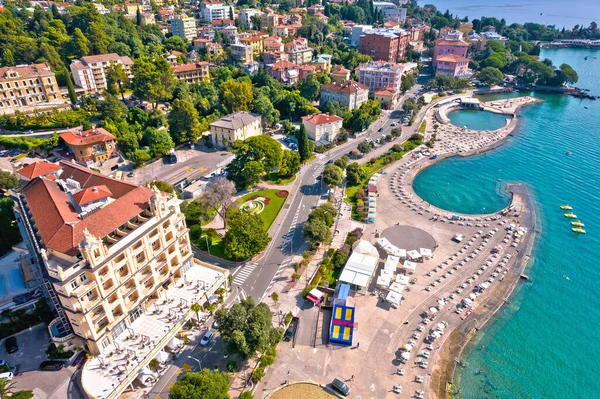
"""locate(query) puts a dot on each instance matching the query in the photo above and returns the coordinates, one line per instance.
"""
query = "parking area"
(49, 384)
(32, 349)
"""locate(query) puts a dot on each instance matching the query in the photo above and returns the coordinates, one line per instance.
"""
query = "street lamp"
(199, 362)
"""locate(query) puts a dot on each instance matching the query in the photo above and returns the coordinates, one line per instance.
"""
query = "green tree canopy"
(237, 96)
(205, 384)
(303, 143)
(490, 75)
(333, 175)
(158, 140)
(183, 122)
(8, 180)
(355, 174)
(153, 79)
(246, 235)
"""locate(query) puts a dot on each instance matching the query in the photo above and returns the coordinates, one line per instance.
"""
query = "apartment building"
(184, 27)
(390, 11)
(242, 53)
(285, 72)
(94, 145)
(452, 65)
(385, 44)
(379, 75)
(28, 86)
(192, 73)
(255, 42)
(239, 125)
(106, 249)
(322, 128)
(340, 74)
(349, 94)
(246, 15)
(89, 73)
(218, 11)
(298, 51)
(273, 43)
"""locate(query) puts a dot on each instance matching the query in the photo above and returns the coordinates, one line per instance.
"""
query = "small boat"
(570, 215)
(578, 230)
(585, 58)
(566, 207)
(578, 223)
(568, 153)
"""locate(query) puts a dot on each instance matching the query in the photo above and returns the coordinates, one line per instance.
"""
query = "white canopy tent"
(359, 268)
(394, 299)
(383, 281)
(397, 287)
(162, 356)
(391, 263)
(426, 253)
(402, 279)
(410, 267)
(145, 376)
(174, 344)
(414, 254)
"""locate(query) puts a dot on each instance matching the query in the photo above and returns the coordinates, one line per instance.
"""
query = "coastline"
(460, 340)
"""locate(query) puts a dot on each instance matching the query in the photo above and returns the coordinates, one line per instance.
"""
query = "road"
(254, 279)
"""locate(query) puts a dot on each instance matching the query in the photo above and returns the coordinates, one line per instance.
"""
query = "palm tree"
(196, 307)
(5, 388)
(154, 363)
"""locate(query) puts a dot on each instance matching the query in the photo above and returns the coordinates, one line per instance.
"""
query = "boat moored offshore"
(578, 230)
(566, 207)
(578, 223)
(570, 215)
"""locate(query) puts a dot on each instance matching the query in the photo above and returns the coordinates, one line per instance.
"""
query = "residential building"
(340, 74)
(417, 32)
(251, 67)
(246, 15)
(285, 72)
(379, 75)
(108, 255)
(218, 11)
(281, 30)
(90, 146)
(349, 94)
(269, 20)
(452, 65)
(493, 36)
(298, 51)
(322, 128)
(273, 43)
(89, 73)
(386, 98)
(315, 8)
(444, 46)
(184, 27)
(132, 8)
(101, 8)
(166, 14)
(201, 43)
(242, 53)
(192, 73)
(255, 42)
(322, 63)
(357, 32)
(147, 18)
(230, 32)
(208, 3)
(206, 32)
(390, 10)
(385, 44)
(28, 86)
(272, 57)
(173, 56)
(236, 126)
(306, 70)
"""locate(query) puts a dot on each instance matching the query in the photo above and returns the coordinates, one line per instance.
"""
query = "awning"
(383, 281)
(426, 252)
(402, 279)
(162, 356)
(175, 343)
(397, 288)
(394, 298)
(413, 254)
(411, 266)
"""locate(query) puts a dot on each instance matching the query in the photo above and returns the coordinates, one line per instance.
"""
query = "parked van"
(340, 387)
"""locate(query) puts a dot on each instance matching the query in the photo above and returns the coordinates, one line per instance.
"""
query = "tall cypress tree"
(71, 89)
(303, 143)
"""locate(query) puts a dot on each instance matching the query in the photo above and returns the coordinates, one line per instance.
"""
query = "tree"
(116, 74)
(303, 143)
(153, 364)
(219, 195)
(290, 163)
(8, 180)
(176, 43)
(247, 328)
(80, 44)
(570, 76)
(342, 162)
(264, 107)
(112, 108)
(333, 175)
(141, 156)
(71, 90)
(9, 231)
(254, 156)
(158, 140)
(236, 96)
(183, 122)
(161, 185)
(246, 235)
(8, 58)
(496, 60)
(21, 395)
(196, 308)
(310, 87)
(256, 22)
(364, 147)
(205, 384)
(490, 75)
(316, 231)
(355, 174)
(325, 212)
(396, 132)
(408, 81)
(153, 79)
(246, 395)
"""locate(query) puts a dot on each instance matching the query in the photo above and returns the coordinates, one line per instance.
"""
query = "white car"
(206, 339)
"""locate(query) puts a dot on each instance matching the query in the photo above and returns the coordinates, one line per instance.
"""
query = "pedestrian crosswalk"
(243, 274)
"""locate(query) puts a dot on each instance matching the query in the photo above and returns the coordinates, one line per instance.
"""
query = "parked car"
(339, 386)
(52, 365)
(10, 344)
(206, 339)
(7, 376)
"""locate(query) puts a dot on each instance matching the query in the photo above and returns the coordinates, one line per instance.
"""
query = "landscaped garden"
(265, 203)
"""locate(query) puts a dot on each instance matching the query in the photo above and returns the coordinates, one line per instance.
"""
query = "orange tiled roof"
(451, 58)
(39, 168)
(92, 194)
(321, 119)
(87, 137)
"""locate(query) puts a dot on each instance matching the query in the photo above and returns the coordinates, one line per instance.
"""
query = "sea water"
(545, 343)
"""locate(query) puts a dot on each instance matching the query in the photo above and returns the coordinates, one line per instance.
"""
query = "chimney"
(95, 189)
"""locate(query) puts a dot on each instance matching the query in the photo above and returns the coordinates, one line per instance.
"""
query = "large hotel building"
(115, 262)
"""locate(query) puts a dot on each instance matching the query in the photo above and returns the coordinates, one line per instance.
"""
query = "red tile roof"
(189, 67)
(86, 137)
(92, 194)
(349, 86)
(27, 71)
(282, 65)
(340, 69)
(39, 168)
(442, 42)
(60, 226)
(321, 119)
(451, 58)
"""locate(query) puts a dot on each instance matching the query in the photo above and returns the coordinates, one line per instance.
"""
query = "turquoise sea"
(545, 343)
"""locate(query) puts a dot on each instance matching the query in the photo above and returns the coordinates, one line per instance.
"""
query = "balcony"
(108, 285)
(104, 274)
(101, 325)
(98, 313)
(84, 287)
(113, 299)
(129, 288)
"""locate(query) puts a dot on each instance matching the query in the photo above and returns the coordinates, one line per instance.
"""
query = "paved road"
(304, 196)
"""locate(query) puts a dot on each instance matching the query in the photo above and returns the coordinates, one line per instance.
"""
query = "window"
(74, 284)
(89, 294)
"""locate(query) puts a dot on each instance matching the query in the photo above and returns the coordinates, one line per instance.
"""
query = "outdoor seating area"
(150, 334)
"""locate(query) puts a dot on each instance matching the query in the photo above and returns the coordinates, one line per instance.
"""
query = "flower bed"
(282, 193)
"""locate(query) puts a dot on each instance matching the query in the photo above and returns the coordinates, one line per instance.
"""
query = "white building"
(246, 16)
(322, 127)
(184, 27)
(236, 126)
(349, 94)
(218, 11)
(391, 10)
(89, 73)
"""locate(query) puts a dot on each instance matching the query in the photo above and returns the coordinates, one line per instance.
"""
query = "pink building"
(445, 46)
(380, 75)
(452, 65)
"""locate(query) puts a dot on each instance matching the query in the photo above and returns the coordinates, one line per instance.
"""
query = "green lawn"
(271, 211)
(273, 178)
(217, 249)
(332, 275)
